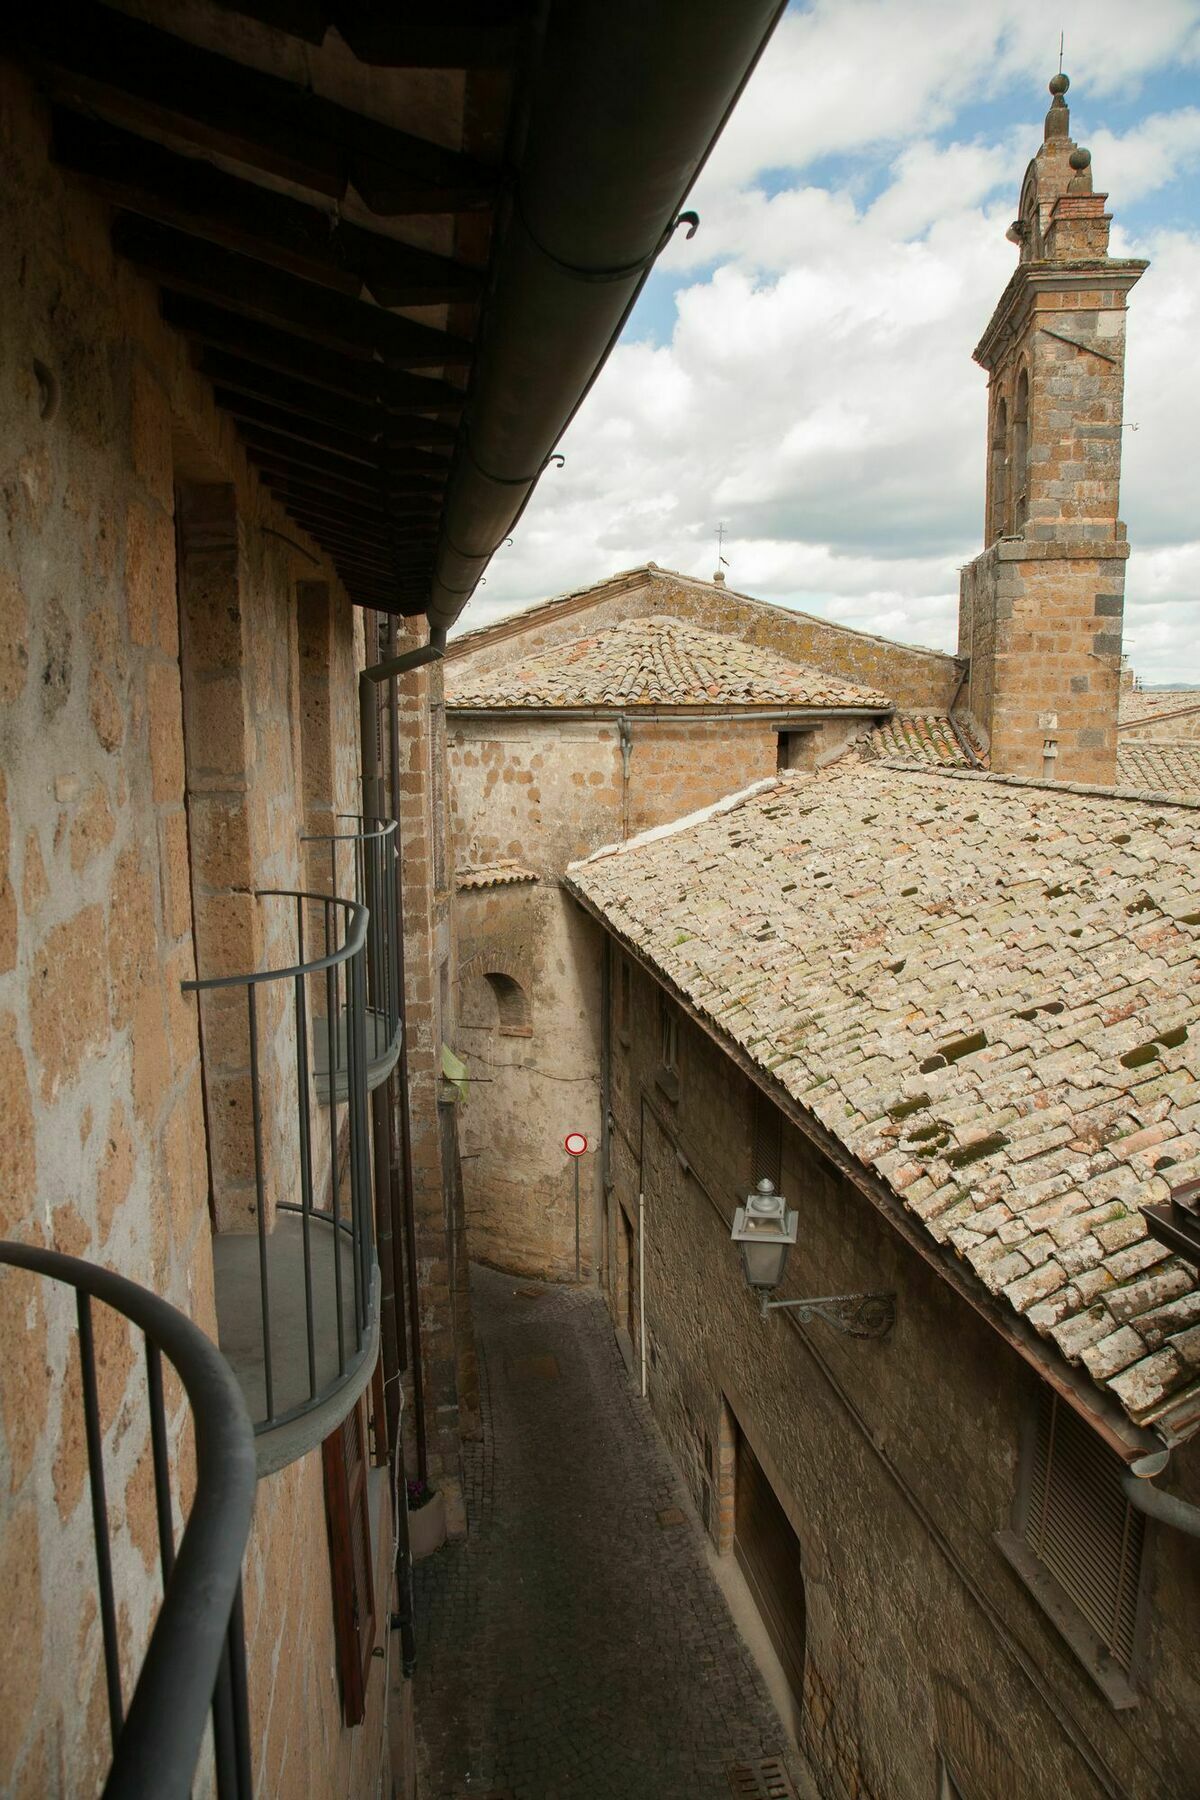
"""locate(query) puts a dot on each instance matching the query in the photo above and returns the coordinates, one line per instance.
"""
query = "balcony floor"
(382, 1055)
(239, 1331)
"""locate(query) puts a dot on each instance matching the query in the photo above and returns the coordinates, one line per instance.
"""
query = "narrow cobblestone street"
(574, 1645)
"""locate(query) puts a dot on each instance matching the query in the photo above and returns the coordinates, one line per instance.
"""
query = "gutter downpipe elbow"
(1168, 1509)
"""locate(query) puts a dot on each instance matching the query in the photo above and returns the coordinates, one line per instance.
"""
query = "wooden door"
(768, 1552)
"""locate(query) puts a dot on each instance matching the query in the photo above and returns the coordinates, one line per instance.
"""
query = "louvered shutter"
(349, 1526)
(1081, 1527)
(766, 1142)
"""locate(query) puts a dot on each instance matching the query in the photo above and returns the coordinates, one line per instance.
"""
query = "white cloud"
(818, 393)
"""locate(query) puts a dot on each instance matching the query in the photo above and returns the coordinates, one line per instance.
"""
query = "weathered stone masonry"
(1040, 610)
(895, 1461)
(103, 868)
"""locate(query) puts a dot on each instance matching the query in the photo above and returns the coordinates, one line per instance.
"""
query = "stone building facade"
(1041, 608)
(179, 710)
(573, 746)
(824, 979)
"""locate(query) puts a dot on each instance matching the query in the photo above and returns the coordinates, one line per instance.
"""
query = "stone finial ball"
(1059, 84)
(1080, 159)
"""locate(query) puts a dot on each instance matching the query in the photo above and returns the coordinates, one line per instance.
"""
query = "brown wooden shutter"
(349, 1525)
(768, 1553)
(766, 1154)
(1081, 1527)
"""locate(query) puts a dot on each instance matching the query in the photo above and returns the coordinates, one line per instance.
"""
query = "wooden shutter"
(1081, 1527)
(766, 1155)
(768, 1552)
(349, 1525)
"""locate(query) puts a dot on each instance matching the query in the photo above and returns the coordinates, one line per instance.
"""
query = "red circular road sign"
(574, 1143)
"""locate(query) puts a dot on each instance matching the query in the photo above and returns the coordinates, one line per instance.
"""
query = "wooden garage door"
(768, 1552)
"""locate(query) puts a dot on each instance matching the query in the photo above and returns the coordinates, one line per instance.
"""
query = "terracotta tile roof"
(1148, 767)
(491, 875)
(925, 737)
(987, 989)
(1165, 768)
(1137, 706)
(656, 662)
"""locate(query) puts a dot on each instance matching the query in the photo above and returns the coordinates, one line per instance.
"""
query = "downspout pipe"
(1168, 1509)
(369, 681)
(625, 105)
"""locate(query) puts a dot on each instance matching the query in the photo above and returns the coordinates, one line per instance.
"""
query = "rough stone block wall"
(1046, 661)
(1180, 727)
(530, 1085)
(923, 680)
(677, 768)
(300, 1745)
(103, 1149)
(537, 792)
(895, 1462)
(541, 793)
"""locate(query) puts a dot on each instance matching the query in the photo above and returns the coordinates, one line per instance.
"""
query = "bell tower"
(1040, 610)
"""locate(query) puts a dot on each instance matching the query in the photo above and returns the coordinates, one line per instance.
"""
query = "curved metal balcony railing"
(195, 1661)
(372, 848)
(298, 1296)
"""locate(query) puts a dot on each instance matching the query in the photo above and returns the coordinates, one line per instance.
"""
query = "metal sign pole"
(575, 1160)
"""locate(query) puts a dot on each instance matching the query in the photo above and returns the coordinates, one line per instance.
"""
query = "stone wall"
(1041, 624)
(917, 679)
(895, 1461)
(105, 1150)
(530, 1083)
(1174, 727)
(542, 793)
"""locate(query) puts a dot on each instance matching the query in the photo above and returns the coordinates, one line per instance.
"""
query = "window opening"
(1000, 471)
(512, 1005)
(1020, 454)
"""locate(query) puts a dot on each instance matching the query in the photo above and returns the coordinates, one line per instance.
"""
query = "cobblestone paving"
(573, 1646)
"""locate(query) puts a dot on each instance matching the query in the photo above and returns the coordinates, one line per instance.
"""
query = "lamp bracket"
(857, 1315)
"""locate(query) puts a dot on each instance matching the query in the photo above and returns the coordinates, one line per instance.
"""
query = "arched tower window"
(1019, 466)
(512, 1005)
(998, 523)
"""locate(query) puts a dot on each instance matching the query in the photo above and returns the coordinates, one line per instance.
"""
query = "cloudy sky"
(801, 370)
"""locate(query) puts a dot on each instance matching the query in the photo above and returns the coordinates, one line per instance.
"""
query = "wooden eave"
(328, 268)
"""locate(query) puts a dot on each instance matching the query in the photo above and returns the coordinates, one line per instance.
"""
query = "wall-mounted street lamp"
(764, 1228)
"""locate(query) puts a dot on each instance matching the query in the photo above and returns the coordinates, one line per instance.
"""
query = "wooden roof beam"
(457, 34)
(105, 60)
(289, 452)
(242, 284)
(335, 509)
(392, 430)
(192, 195)
(227, 334)
(421, 527)
(355, 448)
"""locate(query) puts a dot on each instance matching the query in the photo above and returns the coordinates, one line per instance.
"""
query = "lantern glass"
(764, 1264)
(764, 1229)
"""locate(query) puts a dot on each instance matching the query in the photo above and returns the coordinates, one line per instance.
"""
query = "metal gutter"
(625, 107)
(1168, 1509)
(653, 715)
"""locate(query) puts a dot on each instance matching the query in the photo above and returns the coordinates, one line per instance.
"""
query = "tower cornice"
(1031, 279)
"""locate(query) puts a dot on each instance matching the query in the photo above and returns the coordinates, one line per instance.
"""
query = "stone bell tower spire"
(1040, 610)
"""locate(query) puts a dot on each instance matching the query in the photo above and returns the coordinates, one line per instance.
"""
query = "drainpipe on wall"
(642, 1287)
(1137, 1483)
(368, 683)
(605, 1100)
